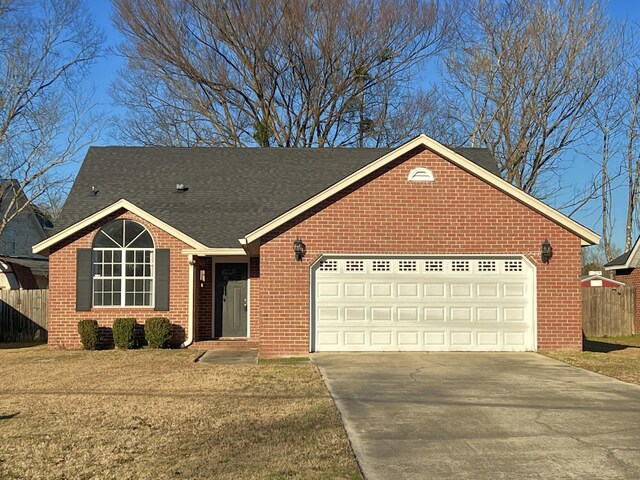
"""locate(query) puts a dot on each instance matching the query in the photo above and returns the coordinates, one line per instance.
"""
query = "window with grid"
(123, 270)
(512, 265)
(486, 266)
(433, 266)
(459, 265)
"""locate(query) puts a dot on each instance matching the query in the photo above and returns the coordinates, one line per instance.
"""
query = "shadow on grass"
(10, 345)
(8, 417)
(602, 346)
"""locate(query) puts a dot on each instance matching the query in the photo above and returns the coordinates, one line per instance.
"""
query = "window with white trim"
(123, 266)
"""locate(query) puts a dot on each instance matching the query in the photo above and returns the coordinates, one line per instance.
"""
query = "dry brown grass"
(617, 357)
(156, 414)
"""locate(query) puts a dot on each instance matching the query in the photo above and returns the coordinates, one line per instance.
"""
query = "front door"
(231, 300)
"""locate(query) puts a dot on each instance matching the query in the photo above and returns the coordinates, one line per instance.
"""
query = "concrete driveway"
(483, 416)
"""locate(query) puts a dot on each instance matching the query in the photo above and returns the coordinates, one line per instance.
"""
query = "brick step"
(225, 344)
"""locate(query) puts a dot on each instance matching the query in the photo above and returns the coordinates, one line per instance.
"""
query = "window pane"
(129, 286)
(129, 269)
(107, 255)
(139, 270)
(147, 299)
(103, 241)
(117, 256)
(143, 241)
(147, 270)
(138, 285)
(97, 256)
(98, 270)
(130, 256)
(116, 285)
(107, 271)
(139, 256)
(128, 298)
(97, 299)
(132, 230)
(117, 298)
(115, 230)
(147, 285)
(139, 299)
(117, 270)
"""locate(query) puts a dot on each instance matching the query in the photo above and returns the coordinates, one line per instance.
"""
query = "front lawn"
(617, 357)
(156, 414)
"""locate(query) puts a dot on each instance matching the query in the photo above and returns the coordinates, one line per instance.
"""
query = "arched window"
(123, 265)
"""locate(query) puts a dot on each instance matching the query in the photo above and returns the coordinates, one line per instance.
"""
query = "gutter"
(190, 326)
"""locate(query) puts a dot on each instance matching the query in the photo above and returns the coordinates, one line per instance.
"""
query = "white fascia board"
(587, 236)
(600, 277)
(215, 252)
(122, 203)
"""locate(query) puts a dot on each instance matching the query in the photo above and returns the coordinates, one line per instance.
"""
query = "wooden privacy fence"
(608, 311)
(23, 315)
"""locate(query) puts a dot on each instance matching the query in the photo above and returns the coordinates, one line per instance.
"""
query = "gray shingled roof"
(231, 191)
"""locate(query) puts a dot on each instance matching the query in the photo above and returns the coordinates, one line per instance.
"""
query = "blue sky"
(105, 71)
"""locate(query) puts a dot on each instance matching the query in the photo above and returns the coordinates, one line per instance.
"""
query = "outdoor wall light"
(547, 251)
(299, 249)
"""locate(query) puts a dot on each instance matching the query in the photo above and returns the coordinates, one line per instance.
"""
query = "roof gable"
(587, 236)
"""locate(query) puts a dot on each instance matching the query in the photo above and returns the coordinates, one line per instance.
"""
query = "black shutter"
(83, 280)
(162, 280)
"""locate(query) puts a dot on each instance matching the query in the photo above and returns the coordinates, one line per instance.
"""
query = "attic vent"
(181, 188)
(420, 174)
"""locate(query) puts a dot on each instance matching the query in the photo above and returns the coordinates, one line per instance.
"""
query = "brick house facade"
(465, 212)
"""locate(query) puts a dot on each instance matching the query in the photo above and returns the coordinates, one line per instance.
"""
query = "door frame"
(229, 259)
(502, 256)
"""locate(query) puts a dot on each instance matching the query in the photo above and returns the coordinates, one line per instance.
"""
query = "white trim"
(523, 257)
(190, 318)
(212, 252)
(600, 277)
(122, 203)
(421, 174)
(574, 227)
(631, 259)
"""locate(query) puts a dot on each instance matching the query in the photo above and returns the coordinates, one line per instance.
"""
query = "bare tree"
(45, 50)
(522, 79)
(276, 72)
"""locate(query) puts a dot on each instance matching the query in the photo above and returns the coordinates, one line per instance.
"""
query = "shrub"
(88, 330)
(157, 332)
(124, 333)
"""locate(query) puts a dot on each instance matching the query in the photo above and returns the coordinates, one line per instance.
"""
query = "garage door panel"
(374, 304)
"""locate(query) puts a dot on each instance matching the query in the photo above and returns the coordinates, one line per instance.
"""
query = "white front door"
(423, 303)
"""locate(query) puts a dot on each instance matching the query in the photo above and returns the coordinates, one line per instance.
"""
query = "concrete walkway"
(247, 356)
(483, 416)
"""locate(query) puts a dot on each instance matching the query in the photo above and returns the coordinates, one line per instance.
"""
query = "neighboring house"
(294, 250)
(625, 269)
(596, 280)
(19, 267)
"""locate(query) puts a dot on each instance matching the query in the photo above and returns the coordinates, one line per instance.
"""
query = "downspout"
(190, 327)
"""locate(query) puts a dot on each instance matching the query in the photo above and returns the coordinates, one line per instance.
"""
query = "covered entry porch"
(221, 300)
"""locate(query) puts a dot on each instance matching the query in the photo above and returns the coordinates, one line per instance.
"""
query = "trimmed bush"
(88, 330)
(157, 332)
(124, 333)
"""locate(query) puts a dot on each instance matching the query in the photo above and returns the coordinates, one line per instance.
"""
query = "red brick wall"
(632, 278)
(63, 318)
(384, 213)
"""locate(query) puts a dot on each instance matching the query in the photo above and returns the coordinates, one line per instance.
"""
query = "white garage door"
(413, 304)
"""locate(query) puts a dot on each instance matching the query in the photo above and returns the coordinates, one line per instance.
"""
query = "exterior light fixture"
(299, 249)
(547, 251)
